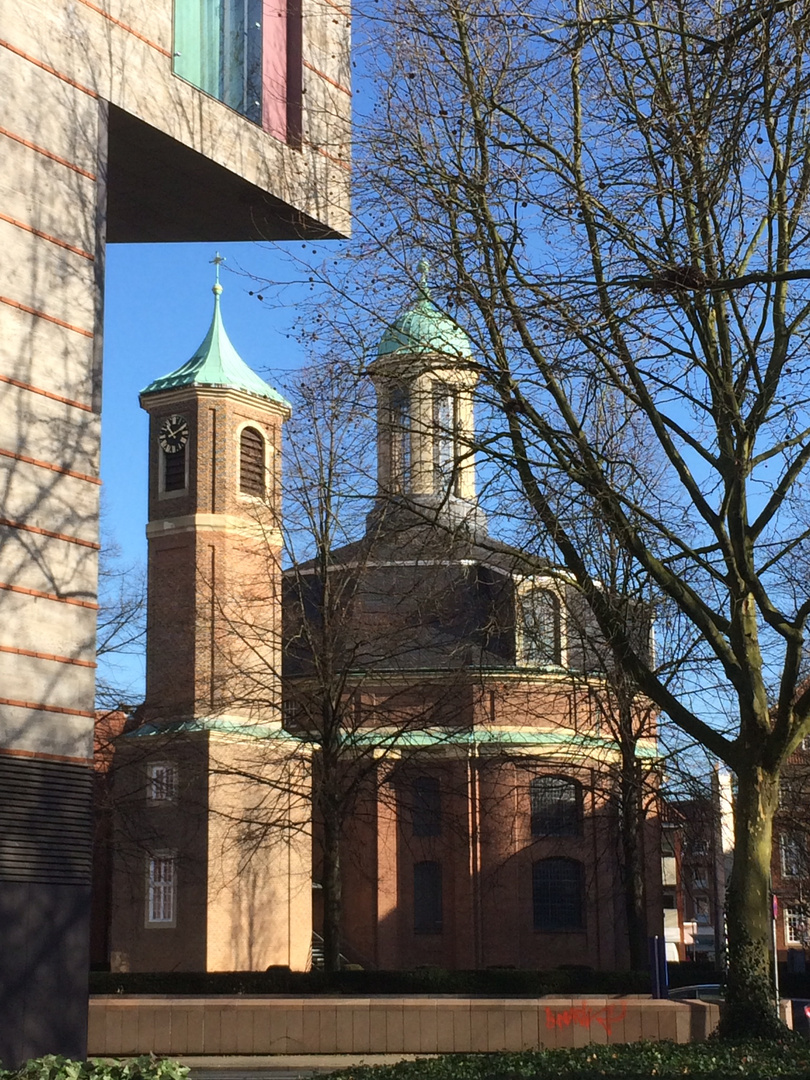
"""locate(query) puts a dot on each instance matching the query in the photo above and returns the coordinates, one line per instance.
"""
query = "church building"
(407, 735)
(479, 822)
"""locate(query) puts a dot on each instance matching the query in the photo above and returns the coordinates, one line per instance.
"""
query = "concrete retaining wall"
(137, 1024)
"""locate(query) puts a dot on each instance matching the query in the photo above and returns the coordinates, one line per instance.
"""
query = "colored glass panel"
(218, 47)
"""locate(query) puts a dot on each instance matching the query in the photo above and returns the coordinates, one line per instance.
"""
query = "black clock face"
(173, 434)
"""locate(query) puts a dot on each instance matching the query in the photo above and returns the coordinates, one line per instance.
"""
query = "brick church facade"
(473, 779)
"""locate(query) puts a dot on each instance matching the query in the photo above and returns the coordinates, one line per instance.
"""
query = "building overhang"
(160, 191)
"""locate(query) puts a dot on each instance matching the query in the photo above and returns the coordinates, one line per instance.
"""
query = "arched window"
(558, 894)
(555, 806)
(251, 463)
(539, 627)
(444, 434)
(400, 426)
(427, 806)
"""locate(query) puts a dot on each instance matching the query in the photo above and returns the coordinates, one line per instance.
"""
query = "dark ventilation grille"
(174, 470)
(46, 828)
(251, 463)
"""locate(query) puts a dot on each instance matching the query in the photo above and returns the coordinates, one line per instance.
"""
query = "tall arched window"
(251, 463)
(556, 806)
(539, 626)
(444, 435)
(558, 894)
(400, 427)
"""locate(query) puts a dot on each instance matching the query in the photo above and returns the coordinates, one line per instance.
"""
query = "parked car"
(713, 992)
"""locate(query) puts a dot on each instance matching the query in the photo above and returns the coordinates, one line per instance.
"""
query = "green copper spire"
(216, 362)
(424, 329)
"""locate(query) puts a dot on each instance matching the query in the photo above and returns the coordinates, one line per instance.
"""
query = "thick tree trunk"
(633, 870)
(332, 893)
(750, 1011)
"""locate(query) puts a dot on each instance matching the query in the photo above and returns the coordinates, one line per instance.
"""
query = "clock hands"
(173, 434)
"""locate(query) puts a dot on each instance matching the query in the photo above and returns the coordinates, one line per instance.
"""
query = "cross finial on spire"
(217, 260)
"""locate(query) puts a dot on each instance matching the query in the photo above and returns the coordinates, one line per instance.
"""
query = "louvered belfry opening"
(174, 470)
(251, 463)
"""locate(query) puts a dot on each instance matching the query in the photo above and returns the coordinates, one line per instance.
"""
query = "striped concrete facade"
(100, 141)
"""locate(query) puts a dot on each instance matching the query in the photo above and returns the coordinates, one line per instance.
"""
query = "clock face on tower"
(173, 434)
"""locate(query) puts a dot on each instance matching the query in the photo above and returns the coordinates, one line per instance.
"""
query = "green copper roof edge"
(216, 363)
(408, 740)
(215, 724)
(493, 736)
(513, 671)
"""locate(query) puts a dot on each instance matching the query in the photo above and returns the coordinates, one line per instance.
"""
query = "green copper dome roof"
(216, 363)
(422, 328)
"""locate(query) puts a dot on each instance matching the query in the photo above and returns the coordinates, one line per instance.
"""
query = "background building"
(790, 867)
(123, 122)
(696, 857)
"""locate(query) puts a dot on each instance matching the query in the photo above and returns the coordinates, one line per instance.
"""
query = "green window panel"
(218, 48)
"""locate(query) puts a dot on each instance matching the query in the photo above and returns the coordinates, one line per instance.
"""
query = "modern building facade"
(123, 122)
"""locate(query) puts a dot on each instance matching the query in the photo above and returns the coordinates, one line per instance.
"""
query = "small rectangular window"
(791, 855)
(161, 894)
(427, 898)
(290, 712)
(555, 806)
(427, 806)
(797, 929)
(161, 781)
(558, 895)
(539, 626)
(702, 914)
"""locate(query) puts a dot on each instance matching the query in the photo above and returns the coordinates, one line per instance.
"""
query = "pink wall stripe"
(274, 68)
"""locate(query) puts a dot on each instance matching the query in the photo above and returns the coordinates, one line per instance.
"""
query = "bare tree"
(618, 195)
(121, 634)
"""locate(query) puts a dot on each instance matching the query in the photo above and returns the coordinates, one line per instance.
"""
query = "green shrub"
(634, 1061)
(54, 1067)
(492, 982)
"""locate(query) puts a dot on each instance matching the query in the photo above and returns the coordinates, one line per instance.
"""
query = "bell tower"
(214, 874)
(213, 534)
(424, 377)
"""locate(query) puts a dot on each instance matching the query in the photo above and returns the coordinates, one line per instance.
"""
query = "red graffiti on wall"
(584, 1015)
